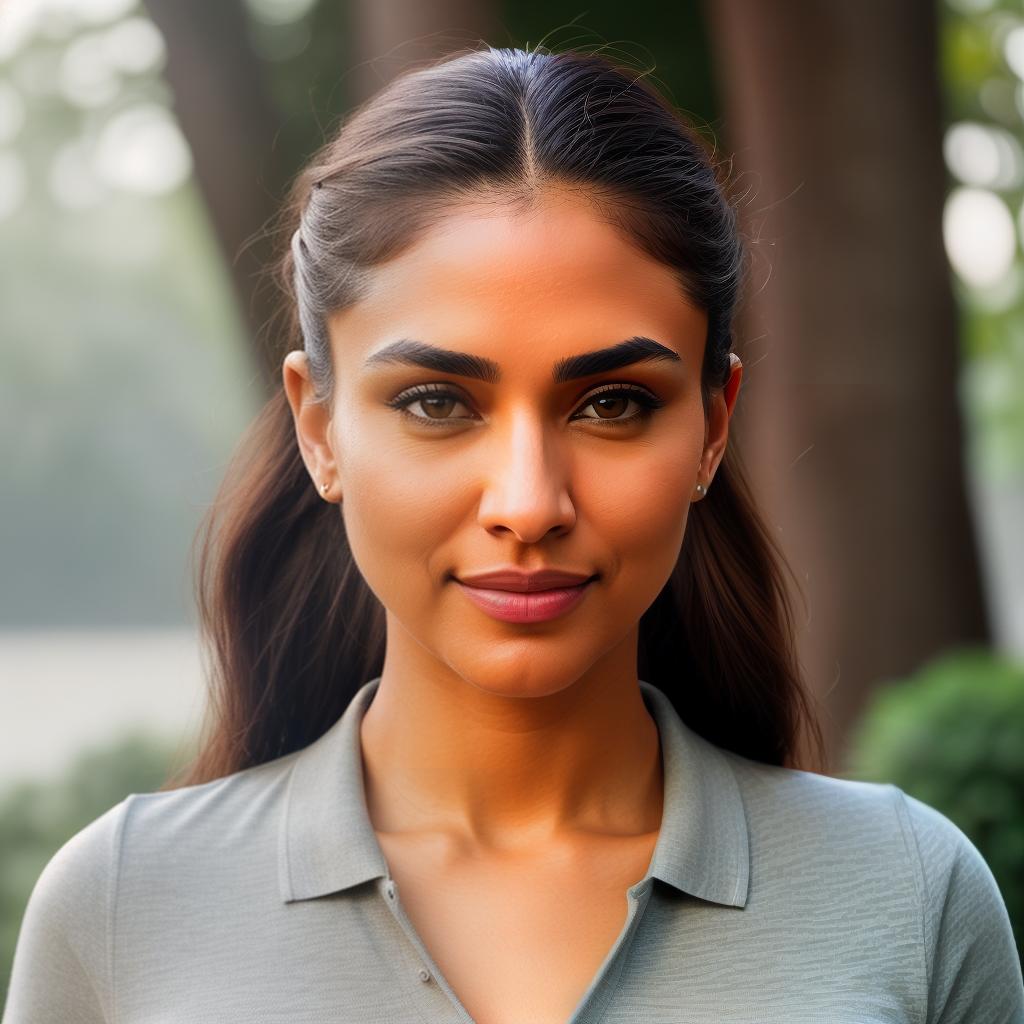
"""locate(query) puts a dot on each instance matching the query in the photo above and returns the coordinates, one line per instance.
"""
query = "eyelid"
(648, 401)
(437, 389)
(646, 398)
(616, 386)
(456, 391)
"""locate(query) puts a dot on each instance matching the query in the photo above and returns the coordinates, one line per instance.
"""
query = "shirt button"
(391, 890)
(424, 974)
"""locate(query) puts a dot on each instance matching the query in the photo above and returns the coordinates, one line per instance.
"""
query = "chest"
(518, 938)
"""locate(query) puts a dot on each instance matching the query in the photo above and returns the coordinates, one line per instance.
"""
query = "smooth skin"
(513, 773)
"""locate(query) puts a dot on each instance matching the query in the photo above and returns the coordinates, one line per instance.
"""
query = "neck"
(497, 771)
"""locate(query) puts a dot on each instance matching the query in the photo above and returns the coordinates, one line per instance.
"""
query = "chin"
(520, 676)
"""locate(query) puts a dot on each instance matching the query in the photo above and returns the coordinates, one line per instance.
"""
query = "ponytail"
(290, 629)
(719, 638)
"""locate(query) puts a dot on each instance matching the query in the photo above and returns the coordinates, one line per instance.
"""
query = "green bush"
(952, 735)
(37, 818)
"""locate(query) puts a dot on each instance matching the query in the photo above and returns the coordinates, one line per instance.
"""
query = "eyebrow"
(407, 351)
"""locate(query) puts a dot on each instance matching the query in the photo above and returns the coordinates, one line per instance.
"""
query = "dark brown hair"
(291, 626)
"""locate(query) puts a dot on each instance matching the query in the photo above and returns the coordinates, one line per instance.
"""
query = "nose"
(526, 492)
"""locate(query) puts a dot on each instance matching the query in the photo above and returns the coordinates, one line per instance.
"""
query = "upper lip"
(522, 581)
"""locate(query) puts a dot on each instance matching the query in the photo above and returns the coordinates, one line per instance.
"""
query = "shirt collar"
(327, 841)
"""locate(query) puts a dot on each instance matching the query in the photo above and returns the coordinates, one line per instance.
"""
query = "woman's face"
(444, 473)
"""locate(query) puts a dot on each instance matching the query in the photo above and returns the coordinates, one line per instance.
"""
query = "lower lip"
(535, 606)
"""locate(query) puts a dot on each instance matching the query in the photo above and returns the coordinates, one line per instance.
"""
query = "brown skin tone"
(513, 773)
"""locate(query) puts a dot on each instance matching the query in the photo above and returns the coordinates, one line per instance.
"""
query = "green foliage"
(967, 56)
(953, 736)
(981, 88)
(37, 818)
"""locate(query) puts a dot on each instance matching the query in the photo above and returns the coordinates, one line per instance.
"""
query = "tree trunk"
(848, 415)
(226, 115)
(390, 35)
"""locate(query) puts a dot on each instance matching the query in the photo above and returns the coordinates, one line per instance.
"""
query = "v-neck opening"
(591, 1004)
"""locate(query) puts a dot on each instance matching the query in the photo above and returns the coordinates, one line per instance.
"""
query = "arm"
(972, 968)
(62, 962)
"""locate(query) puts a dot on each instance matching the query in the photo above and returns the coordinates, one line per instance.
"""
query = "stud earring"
(324, 487)
(701, 490)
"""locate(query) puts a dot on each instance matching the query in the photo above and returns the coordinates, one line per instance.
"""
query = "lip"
(522, 581)
(519, 606)
(512, 595)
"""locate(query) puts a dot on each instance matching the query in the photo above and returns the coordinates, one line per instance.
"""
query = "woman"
(508, 716)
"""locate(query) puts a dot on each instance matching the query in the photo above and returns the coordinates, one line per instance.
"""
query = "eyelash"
(647, 401)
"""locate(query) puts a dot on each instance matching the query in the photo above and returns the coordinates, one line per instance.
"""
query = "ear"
(312, 419)
(719, 414)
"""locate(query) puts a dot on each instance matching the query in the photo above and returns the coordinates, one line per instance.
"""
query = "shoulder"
(871, 852)
(854, 821)
(197, 842)
(152, 849)
(74, 886)
(974, 970)
(841, 813)
(72, 894)
(61, 960)
(861, 816)
(83, 874)
(145, 831)
(229, 804)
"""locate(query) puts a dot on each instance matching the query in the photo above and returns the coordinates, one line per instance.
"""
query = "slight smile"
(521, 606)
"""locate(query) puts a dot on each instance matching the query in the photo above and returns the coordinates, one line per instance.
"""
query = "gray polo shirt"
(773, 895)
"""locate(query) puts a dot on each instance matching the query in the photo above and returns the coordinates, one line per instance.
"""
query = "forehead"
(491, 277)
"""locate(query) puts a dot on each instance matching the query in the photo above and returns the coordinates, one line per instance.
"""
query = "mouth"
(532, 606)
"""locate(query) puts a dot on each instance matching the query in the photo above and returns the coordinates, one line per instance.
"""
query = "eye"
(615, 398)
(434, 399)
(436, 402)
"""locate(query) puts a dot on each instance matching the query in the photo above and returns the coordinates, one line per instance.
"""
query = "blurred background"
(878, 154)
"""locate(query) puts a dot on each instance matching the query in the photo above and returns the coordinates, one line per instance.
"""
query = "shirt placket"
(427, 987)
(438, 1001)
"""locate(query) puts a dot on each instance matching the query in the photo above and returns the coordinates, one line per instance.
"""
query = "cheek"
(394, 510)
(645, 482)
(641, 501)
(638, 510)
